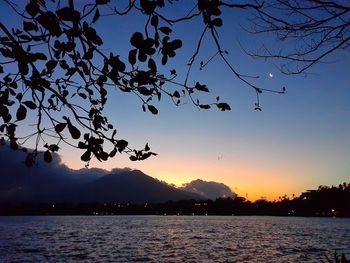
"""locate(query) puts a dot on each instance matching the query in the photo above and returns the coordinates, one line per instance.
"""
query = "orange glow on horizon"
(248, 181)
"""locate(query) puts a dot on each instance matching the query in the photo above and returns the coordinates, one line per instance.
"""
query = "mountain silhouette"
(130, 186)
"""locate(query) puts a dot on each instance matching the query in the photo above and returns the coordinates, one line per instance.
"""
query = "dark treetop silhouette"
(56, 56)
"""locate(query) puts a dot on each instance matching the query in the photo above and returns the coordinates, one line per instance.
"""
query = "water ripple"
(171, 239)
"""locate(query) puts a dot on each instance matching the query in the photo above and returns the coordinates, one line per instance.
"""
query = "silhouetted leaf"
(49, 21)
(113, 153)
(29, 26)
(152, 109)
(51, 65)
(121, 145)
(133, 158)
(144, 91)
(68, 14)
(132, 56)
(137, 39)
(148, 6)
(47, 156)
(204, 106)
(223, 106)
(60, 127)
(154, 21)
(53, 147)
(217, 22)
(152, 65)
(104, 156)
(82, 95)
(21, 113)
(176, 94)
(86, 156)
(31, 105)
(74, 132)
(32, 8)
(201, 87)
(165, 30)
(40, 56)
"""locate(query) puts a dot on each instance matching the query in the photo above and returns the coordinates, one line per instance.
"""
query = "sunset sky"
(299, 141)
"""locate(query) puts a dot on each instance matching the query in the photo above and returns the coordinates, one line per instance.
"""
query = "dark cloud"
(43, 180)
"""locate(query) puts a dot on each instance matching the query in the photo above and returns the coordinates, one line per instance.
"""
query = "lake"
(171, 239)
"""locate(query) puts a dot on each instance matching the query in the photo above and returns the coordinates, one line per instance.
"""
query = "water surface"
(171, 239)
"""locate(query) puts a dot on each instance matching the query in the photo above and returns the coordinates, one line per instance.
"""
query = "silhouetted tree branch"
(53, 67)
(310, 29)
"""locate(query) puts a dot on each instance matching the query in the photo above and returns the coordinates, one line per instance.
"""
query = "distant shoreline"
(179, 208)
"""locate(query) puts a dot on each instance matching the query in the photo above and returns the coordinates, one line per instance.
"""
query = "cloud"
(17, 181)
(211, 190)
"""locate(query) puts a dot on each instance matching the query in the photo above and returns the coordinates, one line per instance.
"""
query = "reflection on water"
(171, 239)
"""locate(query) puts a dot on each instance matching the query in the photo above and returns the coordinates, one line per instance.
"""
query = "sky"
(299, 141)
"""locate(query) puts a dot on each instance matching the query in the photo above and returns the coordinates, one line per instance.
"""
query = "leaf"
(104, 156)
(82, 95)
(113, 153)
(86, 156)
(152, 65)
(96, 16)
(68, 14)
(217, 22)
(60, 127)
(47, 156)
(53, 147)
(49, 21)
(32, 8)
(21, 113)
(144, 91)
(31, 105)
(51, 65)
(137, 39)
(165, 30)
(204, 106)
(223, 106)
(121, 145)
(133, 158)
(176, 94)
(29, 26)
(74, 132)
(154, 21)
(148, 6)
(200, 87)
(40, 56)
(132, 56)
(153, 109)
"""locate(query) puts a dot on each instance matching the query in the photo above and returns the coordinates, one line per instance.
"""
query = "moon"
(270, 75)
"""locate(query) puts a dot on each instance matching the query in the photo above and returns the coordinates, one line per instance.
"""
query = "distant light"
(333, 210)
(53, 206)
